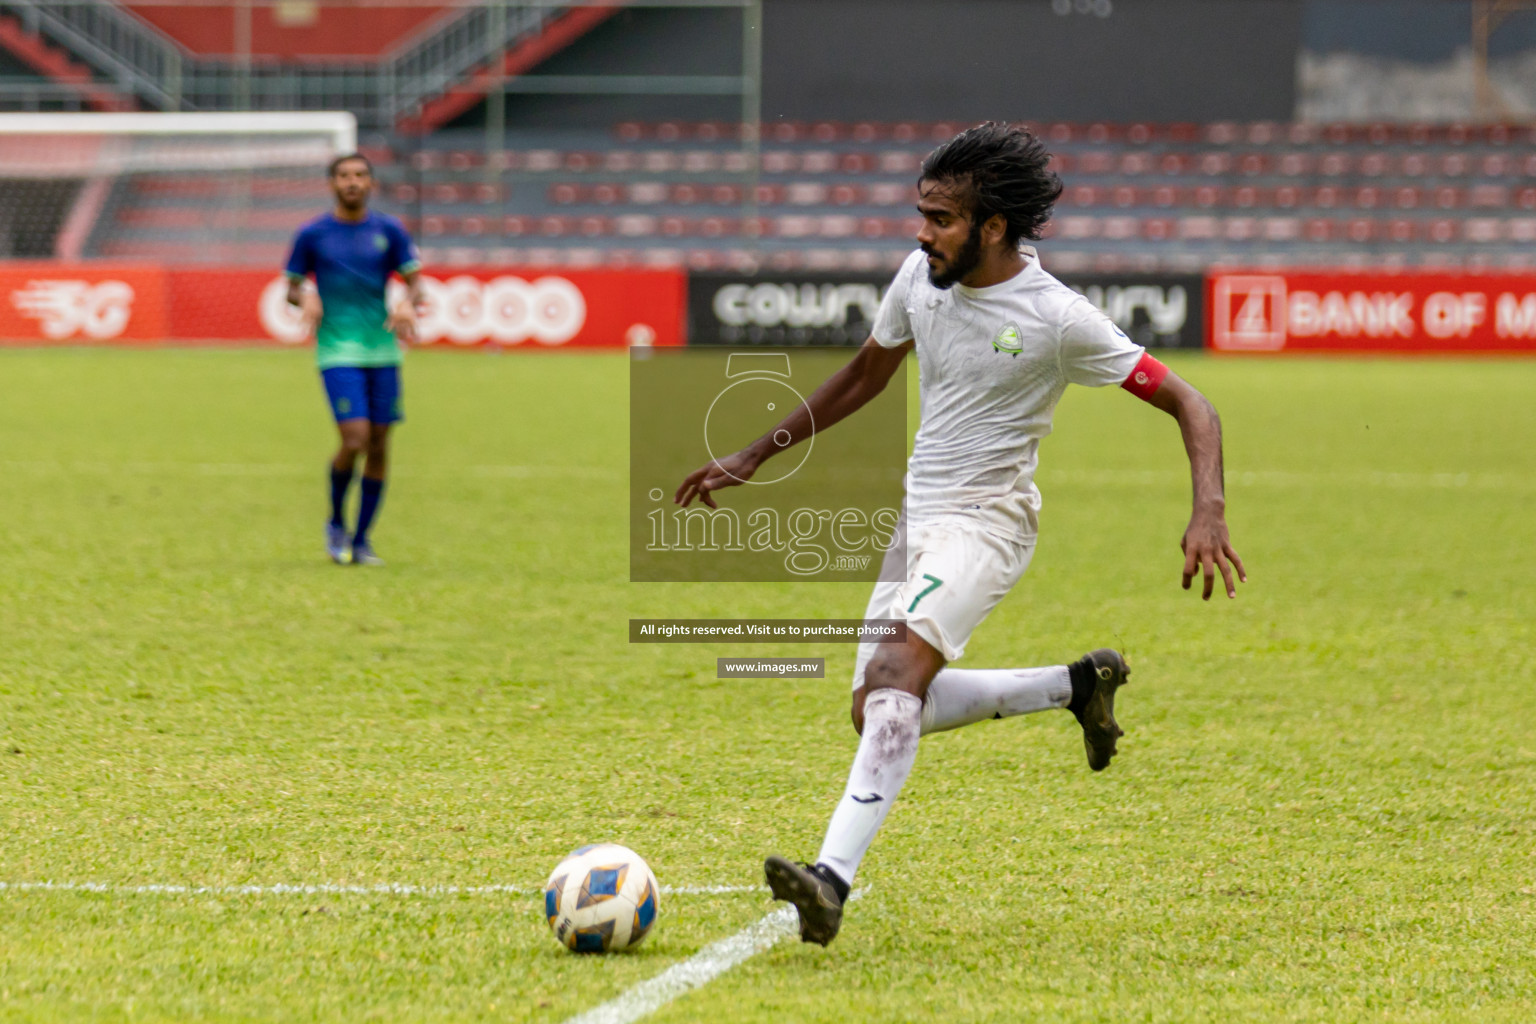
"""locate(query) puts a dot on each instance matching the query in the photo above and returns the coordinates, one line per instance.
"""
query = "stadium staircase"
(431, 77)
(22, 39)
(1139, 198)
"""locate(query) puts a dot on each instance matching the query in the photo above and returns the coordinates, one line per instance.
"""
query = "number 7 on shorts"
(934, 584)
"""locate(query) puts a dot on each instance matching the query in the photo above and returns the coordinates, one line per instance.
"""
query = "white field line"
(1287, 478)
(327, 889)
(698, 970)
(282, 469)
(1050, 475)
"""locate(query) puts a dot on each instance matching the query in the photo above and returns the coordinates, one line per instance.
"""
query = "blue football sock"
(373, 494)
(341, 482)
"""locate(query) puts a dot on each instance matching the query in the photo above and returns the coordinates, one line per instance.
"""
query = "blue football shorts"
(364, 392)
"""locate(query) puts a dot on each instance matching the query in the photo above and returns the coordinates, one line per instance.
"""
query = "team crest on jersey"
(1009, 339)
(380, 242)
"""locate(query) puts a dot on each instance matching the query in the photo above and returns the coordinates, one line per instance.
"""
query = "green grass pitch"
(1322, 812)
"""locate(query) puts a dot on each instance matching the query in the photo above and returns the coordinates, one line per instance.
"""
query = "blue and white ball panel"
(601, 899)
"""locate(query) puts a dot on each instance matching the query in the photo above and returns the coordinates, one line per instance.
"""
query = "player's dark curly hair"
(1003, 170)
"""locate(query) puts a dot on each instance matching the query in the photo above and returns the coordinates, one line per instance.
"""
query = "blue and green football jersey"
(352, 261)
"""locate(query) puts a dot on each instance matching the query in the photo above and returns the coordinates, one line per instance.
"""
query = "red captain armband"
(1146, 378)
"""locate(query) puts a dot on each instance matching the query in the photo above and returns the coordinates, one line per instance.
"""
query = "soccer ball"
(601, 899)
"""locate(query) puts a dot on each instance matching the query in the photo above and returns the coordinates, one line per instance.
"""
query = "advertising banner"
(1345, 311)
(811, 309)
(51, 303)
(95, 304)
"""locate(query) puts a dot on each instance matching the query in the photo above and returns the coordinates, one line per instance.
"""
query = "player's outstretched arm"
(840, 395)
(1207, 548)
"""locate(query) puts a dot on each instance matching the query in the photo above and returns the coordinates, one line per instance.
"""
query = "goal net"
(94, 206)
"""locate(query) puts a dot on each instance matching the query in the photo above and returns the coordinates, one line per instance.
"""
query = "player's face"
(352, 184)
(951, 242)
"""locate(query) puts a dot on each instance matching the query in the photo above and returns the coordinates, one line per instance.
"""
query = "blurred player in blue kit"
(352, 251)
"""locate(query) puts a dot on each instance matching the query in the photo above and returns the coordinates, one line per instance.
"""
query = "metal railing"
(444, 56)
(138, 60)
(123, 51)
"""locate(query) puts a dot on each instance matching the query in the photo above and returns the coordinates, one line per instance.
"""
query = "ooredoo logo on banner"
(1361, 312)
(62, 304)
(577, 309)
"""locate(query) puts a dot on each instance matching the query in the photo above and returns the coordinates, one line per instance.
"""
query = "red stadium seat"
(1136, 163)
(1317, 229)
(700, 161)
(891, 194)
(805, 193)
(873, 227)
(1488, 196)
(1280, 229)
(1483, 229)
(1096, 162)
(1199, 228)
(1442, 230)
(1253, 164)
(1455, 165)
(818, 161)
(660, 161)
(1240, 229)
(635, 225)
(1521, 229)
(1359, 229)
(645, 192)
(1446, 198)
(1216, 163)
(1334, 164)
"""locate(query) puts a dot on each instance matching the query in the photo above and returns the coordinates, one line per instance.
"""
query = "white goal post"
(340, 125)
(177, 187)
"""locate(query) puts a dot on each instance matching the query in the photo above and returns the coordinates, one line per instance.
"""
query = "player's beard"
(965, 261)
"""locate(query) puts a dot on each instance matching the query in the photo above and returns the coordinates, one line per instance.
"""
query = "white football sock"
(960, 696)
(887, 749)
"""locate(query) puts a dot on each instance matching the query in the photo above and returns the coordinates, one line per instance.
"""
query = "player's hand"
(726, 472)
(402, 323)
(1207, 549)
(310, 311)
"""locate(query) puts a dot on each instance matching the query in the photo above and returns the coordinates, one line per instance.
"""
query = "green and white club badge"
(1009, 339)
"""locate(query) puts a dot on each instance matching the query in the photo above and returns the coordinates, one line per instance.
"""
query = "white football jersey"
(992, 363)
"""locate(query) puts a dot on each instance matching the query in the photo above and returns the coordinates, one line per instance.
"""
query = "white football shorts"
(957, 572)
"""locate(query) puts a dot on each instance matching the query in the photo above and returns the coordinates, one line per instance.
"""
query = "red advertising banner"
(53, 303)
(1346, 311)
(102, 304)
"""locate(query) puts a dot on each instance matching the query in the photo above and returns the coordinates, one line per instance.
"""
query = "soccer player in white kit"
(997, 340)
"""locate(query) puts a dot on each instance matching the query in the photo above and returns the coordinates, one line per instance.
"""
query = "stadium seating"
(1138, 197)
